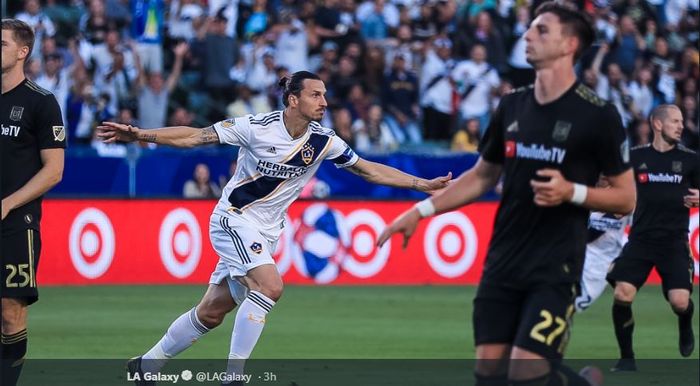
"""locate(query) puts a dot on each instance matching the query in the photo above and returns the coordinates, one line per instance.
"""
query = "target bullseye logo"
(91, 243)
(695, 240)
(180, 242)
(450, 244)
(366, 260)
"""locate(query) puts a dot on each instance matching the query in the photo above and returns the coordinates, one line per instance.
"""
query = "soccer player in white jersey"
(279, 153)
(606, 237)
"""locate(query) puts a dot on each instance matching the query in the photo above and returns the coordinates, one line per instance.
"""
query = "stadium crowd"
(399, 73)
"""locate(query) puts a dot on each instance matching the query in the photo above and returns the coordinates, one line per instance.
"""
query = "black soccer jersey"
(662, 181)
(31, 121)
(578, 134)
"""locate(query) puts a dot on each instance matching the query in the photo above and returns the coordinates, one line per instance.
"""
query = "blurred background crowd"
(400, 74)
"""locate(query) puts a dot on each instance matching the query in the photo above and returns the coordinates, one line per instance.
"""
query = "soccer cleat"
(624, 364)
(592, 375)
(133, 366)
(686, 340)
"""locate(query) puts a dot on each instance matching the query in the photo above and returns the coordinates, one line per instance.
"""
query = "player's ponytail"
(293, 84)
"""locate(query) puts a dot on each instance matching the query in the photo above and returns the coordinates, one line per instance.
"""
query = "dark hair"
(294, 83)
(575, 22)
(21, 31)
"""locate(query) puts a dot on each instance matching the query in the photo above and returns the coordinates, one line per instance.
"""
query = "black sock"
(14, 347)
(685, 317)
(497, 380)
(564, 376)
(539, 381)
(624, 327)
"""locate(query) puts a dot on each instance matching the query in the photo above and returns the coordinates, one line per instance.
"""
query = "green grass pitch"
(335, 322)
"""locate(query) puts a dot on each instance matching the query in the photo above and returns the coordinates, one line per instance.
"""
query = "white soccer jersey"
(610, 232)
(273, 167)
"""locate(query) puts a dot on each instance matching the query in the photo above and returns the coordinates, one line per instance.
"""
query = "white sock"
(250, 320)
(181, 334)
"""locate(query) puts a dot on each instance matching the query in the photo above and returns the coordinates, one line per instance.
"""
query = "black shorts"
(673, 261)
(20, 259)
(537, 319)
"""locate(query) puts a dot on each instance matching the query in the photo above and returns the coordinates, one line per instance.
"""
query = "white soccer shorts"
(593, 282)
(239, 245)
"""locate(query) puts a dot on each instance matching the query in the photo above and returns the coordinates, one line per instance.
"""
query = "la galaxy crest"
(256, 247)
(307, 153)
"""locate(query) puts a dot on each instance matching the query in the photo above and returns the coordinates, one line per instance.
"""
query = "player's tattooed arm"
(207, 136)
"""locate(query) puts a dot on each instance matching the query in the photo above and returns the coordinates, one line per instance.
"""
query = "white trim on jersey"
(273, 167)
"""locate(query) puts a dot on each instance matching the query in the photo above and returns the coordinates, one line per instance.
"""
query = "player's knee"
(679, 301)
(14, 317)
(625, 292)
(273, 290)
(212, 312)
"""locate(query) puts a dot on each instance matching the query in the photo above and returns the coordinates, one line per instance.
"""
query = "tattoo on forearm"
(414, 184)
(148, 138)
(208, 135)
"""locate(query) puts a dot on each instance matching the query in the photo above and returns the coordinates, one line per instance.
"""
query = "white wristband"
(425, 208)
(580, 193)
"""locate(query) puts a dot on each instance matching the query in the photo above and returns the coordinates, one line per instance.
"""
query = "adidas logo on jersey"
(272, 150)
(643, 166)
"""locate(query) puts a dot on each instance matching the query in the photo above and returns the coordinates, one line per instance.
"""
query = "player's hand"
(405, 224)
(691, 200)
(553, 191)
(111, 132)
(437, 184)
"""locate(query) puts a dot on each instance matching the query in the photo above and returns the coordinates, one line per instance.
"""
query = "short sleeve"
(233, 131)
(491, 146)
(341, 154)
(51, 133)
(612, 146)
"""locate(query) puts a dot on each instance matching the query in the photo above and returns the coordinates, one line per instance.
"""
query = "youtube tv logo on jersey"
(643, 178)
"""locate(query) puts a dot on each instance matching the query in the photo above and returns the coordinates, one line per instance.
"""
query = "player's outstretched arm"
(471, 185)
(386, 175)
(178, 136)
(619, 198)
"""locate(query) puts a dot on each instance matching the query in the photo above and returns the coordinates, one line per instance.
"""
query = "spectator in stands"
(247, 102)
(154, 92)
(344, 79)
(220, 53)
(641, 133)
(373, 134)
(79, 108)
(436, 90)
(358, 102)
(181, 117)
(630, 45)
(376, 18)
(486, 34)
(327, 22)
(520, 71)
(201, 186)
(343, 126)
(185, 17)
(401, 102)
(56, 79)
(691, 134)
(94, 24)
(641, 93)
(424, 25)
(263, 74)
(466, 139)
(476, 81)
(111, 60)
(35, 18)
(148, 18)
(291, 44)
(374, 66)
